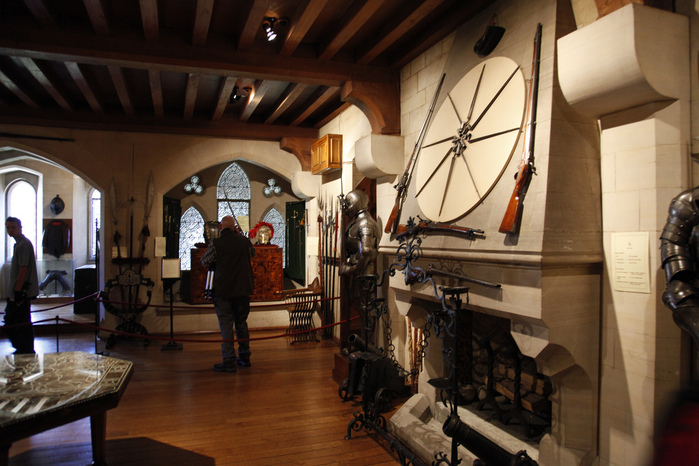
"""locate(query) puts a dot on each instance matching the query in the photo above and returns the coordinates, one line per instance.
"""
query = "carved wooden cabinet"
(268, 271)
(326, 154)
(197, 277)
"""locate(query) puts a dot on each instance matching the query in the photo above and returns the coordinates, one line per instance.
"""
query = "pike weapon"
(402, 186)
(145, 231)
(414, 274)
(115, 218)
(513, 214)
(320, 240)
(413, 228)
(335, 268)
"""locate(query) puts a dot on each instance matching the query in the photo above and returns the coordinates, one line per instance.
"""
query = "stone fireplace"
(551, 275)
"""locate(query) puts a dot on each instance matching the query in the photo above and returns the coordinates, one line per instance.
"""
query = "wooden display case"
(267, 269)
(326, 154)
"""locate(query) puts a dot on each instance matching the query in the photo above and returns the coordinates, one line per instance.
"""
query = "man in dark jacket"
(24, 284)
(233, 285)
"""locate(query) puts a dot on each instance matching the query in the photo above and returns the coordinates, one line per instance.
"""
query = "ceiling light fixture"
(238, 94)
(271, 24)
(193, 186)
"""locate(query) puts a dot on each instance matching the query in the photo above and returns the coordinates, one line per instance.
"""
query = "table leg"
(4, 455)
(98, 427)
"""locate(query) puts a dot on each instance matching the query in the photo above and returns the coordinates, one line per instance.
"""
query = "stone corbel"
(305, 185)
(380, 103)
(378, 155)
(300, 147)
(621, 61)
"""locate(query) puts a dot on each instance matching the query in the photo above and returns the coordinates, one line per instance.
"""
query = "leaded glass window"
(274, 218)
(191, 232)
(233, 193)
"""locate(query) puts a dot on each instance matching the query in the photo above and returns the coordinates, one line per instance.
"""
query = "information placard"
(630, 262)
(170, 268)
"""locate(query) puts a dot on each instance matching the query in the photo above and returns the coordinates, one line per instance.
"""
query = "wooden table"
(43, 391)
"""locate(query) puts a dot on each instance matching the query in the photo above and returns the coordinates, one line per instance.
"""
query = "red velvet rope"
(153, 337)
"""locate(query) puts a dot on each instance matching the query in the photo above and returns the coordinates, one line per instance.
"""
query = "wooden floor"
(285, 409)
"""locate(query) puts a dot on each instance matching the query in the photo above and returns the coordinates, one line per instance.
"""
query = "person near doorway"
(229, 256)
(24, 282)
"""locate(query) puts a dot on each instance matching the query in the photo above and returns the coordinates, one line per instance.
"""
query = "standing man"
(25, 287)
(230, 254)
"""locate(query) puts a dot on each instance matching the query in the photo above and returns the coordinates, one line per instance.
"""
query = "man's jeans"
(21, 336)
(233, 322)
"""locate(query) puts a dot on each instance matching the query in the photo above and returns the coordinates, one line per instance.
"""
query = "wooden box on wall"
(326, 154)
(268, 271)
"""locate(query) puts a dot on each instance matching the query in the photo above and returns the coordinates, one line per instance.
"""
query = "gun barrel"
(458, 276)
(356, 341)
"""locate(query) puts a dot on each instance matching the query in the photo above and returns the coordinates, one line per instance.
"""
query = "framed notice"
(170, 268)
(160, 244)
(630, 262)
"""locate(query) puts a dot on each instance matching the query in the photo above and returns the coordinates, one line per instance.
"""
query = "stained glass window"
(275, 218)
(233, 193)
(191, 232)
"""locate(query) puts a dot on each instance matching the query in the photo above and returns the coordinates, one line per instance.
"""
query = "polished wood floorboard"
(285, 409)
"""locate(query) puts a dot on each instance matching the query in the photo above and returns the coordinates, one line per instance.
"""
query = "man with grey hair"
(229, 255)
(24, 283)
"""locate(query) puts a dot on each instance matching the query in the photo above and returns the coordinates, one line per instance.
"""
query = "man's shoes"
(224, 367)
(243, 362)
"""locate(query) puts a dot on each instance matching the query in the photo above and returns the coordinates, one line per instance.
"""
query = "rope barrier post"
(57, 348)
(171, 345)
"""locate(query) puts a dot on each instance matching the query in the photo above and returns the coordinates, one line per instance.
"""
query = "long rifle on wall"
(513, 215)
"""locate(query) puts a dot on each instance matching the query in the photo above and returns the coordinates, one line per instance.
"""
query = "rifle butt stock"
(510, 221)
(392, 221)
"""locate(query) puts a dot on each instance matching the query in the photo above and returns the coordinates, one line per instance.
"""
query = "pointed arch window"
(20, 199)
(274, 218)
(191, 232)
(233, 192)
(95, 223)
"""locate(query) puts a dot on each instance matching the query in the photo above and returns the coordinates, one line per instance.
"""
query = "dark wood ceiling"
(171, 65)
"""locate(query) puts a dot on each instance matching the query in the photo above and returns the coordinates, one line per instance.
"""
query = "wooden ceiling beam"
(350, 28)
(253, 23)
(31, 66)
(202, 21)
(224, 128)
(224, 95)
(149, 18)
(16, 90)
(300, 23)
(40, 12)
(191, 94)
(412, 19)
(107, 51)
(119, 81)
(98, 18)
(79, 79)
(156, 91)
(259, 90)
(317, 101)
(291, 95)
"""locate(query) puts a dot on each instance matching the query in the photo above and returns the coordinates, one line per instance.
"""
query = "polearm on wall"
(402, 186)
